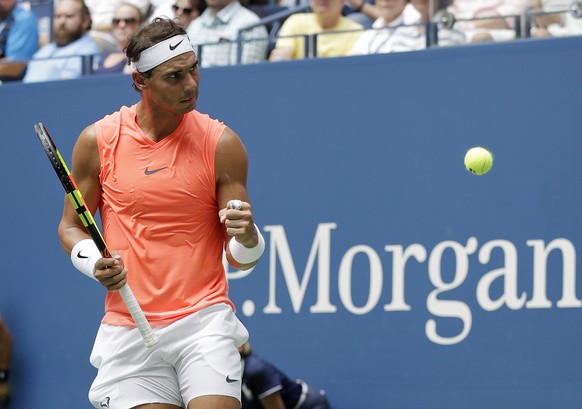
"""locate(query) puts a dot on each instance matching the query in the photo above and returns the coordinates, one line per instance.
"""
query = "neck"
(3, 15)
(328, 20)
(214, 10)
(155, 122)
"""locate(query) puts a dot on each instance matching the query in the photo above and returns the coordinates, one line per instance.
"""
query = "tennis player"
(170, 186)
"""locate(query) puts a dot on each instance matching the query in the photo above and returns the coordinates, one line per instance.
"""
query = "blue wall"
(393, 278)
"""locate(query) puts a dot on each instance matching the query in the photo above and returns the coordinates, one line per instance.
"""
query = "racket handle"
(149, 336)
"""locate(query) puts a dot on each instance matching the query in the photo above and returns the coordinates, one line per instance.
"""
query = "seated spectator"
(183, 10)
(5, 358)
(18, 39)
(555, 24)
(326, 16)
(495, 25)
(393, 31)
(126, 20)
(220, 23)
(102, 12)
(266, 387)
(63, 58)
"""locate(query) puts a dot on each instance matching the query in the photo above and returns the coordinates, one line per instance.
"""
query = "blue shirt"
(261, 379)
(22, 40)
(52, 63)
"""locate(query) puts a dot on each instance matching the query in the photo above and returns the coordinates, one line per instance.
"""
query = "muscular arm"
(110, 272)
(85, 167)
(11, 69)
(231, 184)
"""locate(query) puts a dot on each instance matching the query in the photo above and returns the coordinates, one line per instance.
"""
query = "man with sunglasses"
(215, 34)
(185, 11)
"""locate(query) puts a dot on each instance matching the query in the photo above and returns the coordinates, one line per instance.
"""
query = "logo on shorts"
(229, 380)
(104, 403)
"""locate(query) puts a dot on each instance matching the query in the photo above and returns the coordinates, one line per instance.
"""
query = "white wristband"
(84, 256)
(246, 255)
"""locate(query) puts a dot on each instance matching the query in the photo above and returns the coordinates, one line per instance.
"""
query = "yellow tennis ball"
(478, 160)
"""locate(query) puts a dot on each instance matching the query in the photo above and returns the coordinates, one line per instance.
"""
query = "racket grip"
(149, 336)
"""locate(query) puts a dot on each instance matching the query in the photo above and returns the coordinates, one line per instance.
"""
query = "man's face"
(186, 11)
(173, 86)
(68, 24)
(126, 21)
(391, 9)
(327, 6)
(218, 4)
(6, 6)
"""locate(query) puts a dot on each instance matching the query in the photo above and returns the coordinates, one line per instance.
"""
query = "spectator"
(5, 358)
(326, 16)
(555, 24)
(393, 31)
(266, 387)
(495, 25)
(63, 58)
(18, 39)
(102, 12)
(220, 23)
(126, 20)
(183, 10)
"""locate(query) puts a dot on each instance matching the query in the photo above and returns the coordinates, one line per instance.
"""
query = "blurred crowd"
(88, 37)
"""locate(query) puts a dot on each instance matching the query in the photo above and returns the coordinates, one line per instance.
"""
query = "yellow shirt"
(159, 210)
(328, 45)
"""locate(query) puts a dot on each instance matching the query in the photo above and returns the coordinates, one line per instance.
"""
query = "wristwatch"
(4, 375)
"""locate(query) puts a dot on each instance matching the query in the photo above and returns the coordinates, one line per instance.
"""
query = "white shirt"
(392, 37)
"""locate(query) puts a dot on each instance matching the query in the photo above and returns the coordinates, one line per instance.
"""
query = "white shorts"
(197, 355)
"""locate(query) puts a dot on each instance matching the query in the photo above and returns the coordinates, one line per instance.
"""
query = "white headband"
(162, 52)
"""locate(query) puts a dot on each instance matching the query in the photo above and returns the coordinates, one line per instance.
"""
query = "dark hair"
(149, 35)
(442, 4)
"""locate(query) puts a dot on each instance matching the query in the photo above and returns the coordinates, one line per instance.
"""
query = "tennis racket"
(149, 337)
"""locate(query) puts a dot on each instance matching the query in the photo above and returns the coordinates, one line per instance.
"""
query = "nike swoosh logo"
(173, 47)
(228, 380)
(149, 172)
(81, 256)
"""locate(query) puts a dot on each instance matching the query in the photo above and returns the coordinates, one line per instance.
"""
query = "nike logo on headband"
(173, 47)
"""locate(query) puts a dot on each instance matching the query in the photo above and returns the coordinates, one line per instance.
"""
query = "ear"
(87, 22)
(138, 81)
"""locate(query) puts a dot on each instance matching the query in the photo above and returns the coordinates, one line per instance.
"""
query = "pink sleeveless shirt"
(158, 209)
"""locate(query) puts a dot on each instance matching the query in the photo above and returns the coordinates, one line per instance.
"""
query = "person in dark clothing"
(265, 387)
